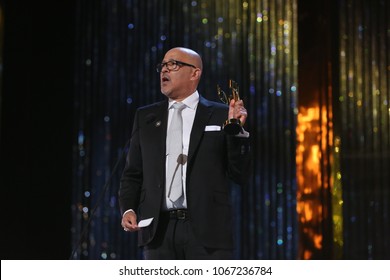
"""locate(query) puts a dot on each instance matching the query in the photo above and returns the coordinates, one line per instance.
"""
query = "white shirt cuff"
(127, 211)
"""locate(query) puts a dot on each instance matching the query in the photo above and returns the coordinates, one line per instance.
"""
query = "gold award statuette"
(231, 126)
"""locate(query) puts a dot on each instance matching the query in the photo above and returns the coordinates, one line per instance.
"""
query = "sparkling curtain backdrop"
(343, 131)
(364, 130)
(118, 45)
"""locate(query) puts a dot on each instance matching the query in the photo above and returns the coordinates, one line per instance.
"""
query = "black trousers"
(175, 240)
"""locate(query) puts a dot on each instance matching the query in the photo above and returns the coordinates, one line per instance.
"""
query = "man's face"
(177, 84)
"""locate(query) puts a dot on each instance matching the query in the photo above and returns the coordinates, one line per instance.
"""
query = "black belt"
(178, 214)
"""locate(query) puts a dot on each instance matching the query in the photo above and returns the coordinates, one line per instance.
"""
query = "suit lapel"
(202, 116)
(161, 122)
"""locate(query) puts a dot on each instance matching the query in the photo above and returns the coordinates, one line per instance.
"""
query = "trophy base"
(232, 126)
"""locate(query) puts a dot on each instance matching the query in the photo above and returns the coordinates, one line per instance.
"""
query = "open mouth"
(164, 79)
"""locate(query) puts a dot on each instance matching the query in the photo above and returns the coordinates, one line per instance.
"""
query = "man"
(197, 223)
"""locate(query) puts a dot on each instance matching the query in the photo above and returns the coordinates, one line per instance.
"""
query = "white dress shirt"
(188, 115)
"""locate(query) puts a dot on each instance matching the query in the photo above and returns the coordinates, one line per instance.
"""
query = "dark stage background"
(36, 128)
(315, 78)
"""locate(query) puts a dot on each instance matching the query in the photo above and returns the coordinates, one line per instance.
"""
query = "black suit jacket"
(213, 158)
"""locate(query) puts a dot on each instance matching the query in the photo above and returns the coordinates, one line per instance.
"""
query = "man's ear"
(196, 74)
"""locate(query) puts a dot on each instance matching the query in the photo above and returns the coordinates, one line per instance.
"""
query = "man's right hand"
(129, 222)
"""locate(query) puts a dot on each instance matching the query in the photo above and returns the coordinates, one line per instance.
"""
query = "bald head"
(188, 55)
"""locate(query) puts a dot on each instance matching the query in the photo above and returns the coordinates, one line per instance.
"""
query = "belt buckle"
(181, 214)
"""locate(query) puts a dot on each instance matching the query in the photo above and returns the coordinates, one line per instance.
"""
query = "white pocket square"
(212, 128)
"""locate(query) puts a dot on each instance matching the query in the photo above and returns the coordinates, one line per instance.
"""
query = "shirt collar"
(191, 101)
